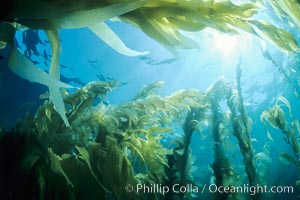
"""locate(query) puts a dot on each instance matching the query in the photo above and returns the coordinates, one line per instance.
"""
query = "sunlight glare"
(224, 43)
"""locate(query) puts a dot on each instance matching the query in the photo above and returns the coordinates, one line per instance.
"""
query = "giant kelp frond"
(282, 101)
(285, 72)
(164, 21)
(242, 127)
(280, 37)
(219, 91)
(183, 164)
(275, 116)
(153, 110)
(149, 89)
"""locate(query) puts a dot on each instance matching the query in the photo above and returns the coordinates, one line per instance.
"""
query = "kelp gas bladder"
(162, 20)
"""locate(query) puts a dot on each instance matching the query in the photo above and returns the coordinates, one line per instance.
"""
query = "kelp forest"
(188, 144)
(107, 147)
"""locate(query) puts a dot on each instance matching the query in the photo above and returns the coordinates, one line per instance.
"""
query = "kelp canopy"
(77, 146)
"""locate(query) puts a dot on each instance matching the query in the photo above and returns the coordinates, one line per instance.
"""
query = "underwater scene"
(150, 99)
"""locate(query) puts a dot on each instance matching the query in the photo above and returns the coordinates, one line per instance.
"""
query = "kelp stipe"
(223, 170)
(242, 127)
(182, 161)
(193, 117)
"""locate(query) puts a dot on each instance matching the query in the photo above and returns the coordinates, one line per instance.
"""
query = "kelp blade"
(110, 38)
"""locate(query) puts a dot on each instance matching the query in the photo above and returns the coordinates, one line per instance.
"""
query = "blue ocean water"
(86, 58)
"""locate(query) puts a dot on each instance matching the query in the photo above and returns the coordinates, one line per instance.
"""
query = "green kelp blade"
(56, 166)
(185, 25)
(86, 157)
(54, 72)
(111, 39)
(85, 185)
(159, 19)
(281, 38)
(149, 89)
(133, 147)
(242, 25)
(267, 117)
(151, 28)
